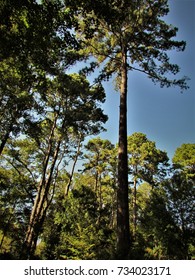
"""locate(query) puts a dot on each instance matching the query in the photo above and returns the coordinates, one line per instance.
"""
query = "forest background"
(58, 179)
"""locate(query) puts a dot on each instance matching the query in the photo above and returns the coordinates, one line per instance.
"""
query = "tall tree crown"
(109, 28)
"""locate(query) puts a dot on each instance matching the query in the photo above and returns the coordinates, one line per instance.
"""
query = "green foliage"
(107, 28)
(184, 159)
(36, 41)
(101, 161)
(82, 235)
(146, 162)
(180, 203)
(16, 195)
(78, 228)
(166, 220)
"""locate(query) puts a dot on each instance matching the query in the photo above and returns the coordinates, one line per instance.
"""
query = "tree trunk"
(39, 209)
(40, 204)
(33, 226)
(73, 167)
(123, 231)
(5, 138)
(135, 206)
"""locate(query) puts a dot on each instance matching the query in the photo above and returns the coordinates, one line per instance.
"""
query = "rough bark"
(123, 231)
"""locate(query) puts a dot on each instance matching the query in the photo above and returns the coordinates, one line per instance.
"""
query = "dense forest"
(65, 193)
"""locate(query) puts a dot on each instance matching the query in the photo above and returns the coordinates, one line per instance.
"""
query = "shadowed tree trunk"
(123, 231)
(6, 137)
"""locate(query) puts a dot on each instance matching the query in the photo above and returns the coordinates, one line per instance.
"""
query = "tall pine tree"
(124, 36)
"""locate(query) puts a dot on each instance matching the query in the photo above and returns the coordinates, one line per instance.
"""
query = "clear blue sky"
(166, 116)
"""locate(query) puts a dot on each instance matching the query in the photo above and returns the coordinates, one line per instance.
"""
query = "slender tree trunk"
(135, 207)
(29, 242)
(40, 202)
(39, 209)
(73, 167)
(123, 231)
(113, 215)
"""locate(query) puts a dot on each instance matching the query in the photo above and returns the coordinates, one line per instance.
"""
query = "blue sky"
(166, 116)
